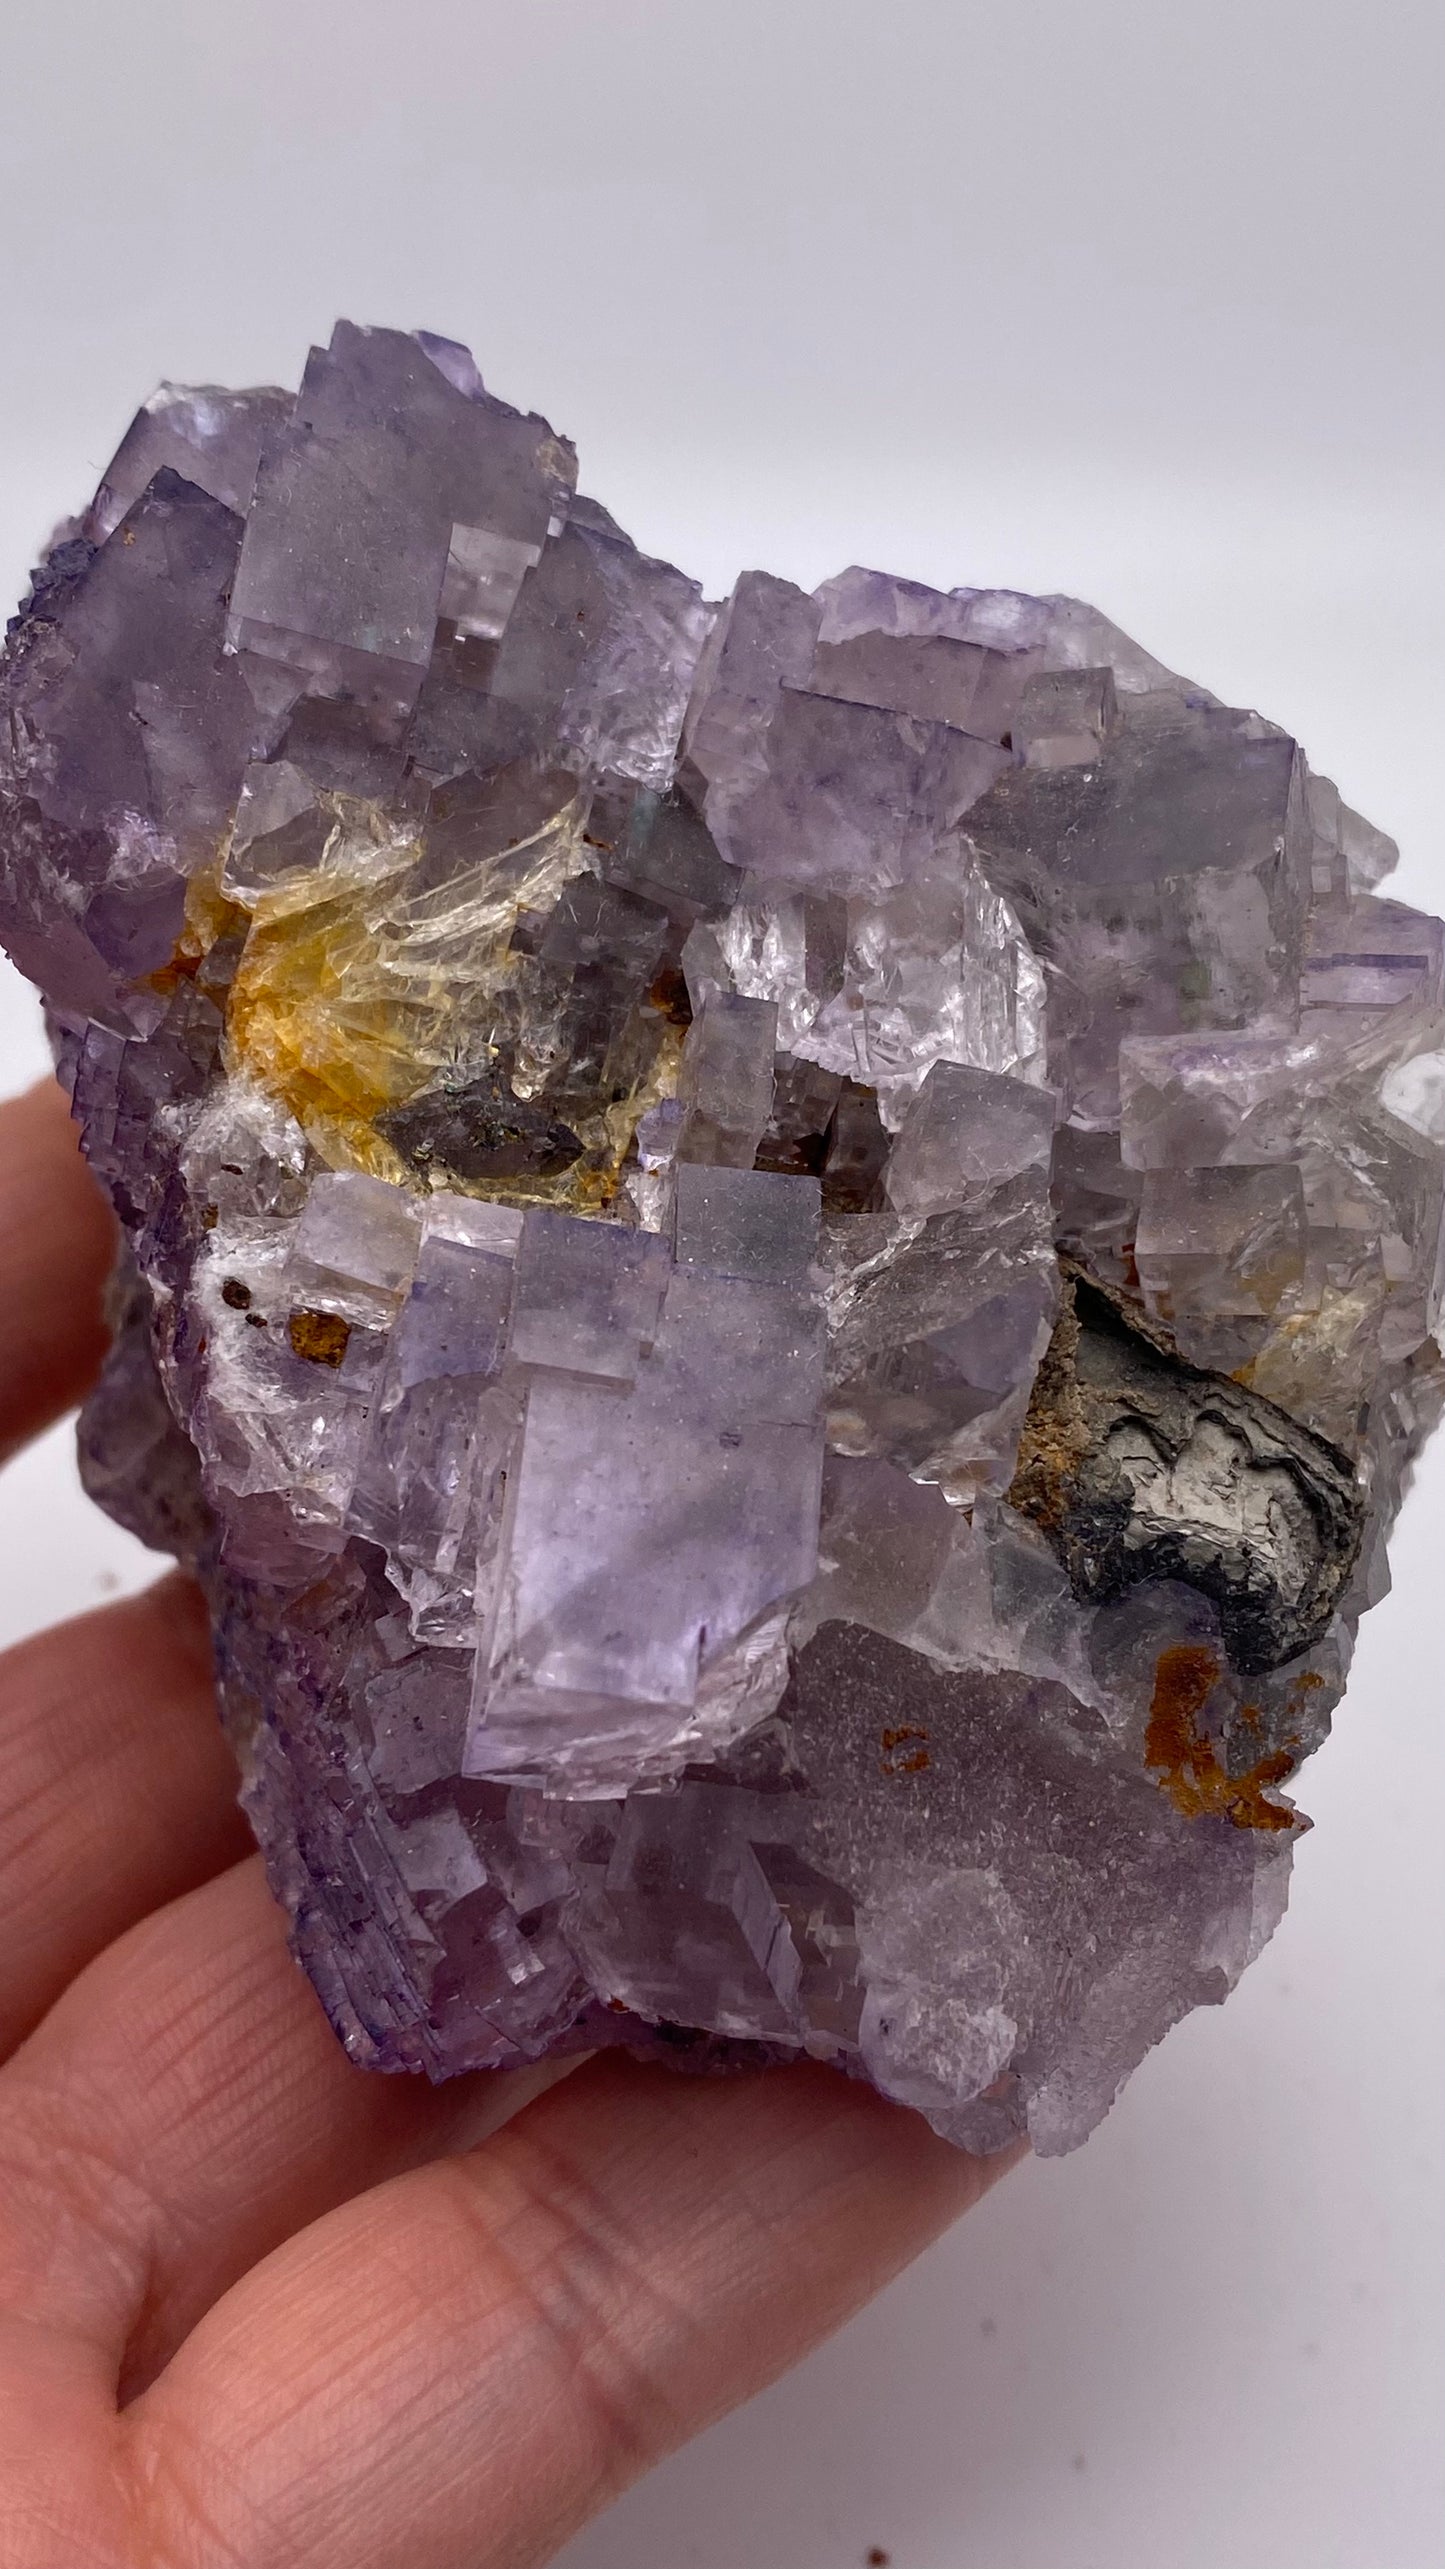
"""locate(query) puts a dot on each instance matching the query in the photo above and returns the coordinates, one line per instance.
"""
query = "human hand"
(260, 2309)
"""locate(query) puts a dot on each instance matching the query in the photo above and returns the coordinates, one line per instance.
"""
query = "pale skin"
(260, 2309)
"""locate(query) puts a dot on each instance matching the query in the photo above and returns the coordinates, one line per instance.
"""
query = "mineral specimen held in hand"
(781, 1256)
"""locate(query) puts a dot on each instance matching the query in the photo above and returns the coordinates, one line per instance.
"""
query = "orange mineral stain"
(320, 1336)
(905, 1750)
(1185, 1759)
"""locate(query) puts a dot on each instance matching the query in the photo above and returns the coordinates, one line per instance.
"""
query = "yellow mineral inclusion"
(210, 915)
(313, 1016)
(360, 983)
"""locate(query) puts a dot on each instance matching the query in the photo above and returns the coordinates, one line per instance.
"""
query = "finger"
(57, 1239)
(459, 2367)
(117, 1790)
(181, 2110)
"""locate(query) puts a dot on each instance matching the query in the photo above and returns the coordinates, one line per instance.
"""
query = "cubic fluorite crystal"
(781, 1257)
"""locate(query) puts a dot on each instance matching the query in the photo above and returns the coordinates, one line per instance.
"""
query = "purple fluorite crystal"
(780, 1257)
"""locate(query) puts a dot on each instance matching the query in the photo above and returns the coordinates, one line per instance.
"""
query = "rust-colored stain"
(320, 1336)
(669, 996)
(905, 1750)
(1056, 1433)
(1185, 1758)
(182, 967)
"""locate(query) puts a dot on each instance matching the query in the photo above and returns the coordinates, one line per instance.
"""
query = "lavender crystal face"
(781, 1257)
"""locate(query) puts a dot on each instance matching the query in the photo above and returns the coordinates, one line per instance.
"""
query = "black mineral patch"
(474, 1128)
(1136, 1465)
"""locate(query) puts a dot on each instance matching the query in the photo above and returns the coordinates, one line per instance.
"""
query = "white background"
(1130, 299)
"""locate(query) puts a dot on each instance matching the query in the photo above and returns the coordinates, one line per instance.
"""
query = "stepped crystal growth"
(780, 1257)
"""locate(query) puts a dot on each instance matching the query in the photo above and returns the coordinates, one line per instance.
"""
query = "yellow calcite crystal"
(364, 979)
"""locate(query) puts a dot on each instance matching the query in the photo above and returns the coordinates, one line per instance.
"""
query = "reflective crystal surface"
(781, 1256)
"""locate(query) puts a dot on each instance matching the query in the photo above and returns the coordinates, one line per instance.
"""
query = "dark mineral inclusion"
(781, 1257)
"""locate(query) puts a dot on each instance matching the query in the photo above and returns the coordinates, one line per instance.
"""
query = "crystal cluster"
(780, 1257)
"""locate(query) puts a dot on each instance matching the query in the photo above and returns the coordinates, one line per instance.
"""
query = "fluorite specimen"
(781, 1257)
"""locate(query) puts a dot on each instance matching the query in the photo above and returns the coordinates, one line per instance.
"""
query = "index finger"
(57, 1240)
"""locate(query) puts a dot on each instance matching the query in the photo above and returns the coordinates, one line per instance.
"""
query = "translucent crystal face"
(781, 1257)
